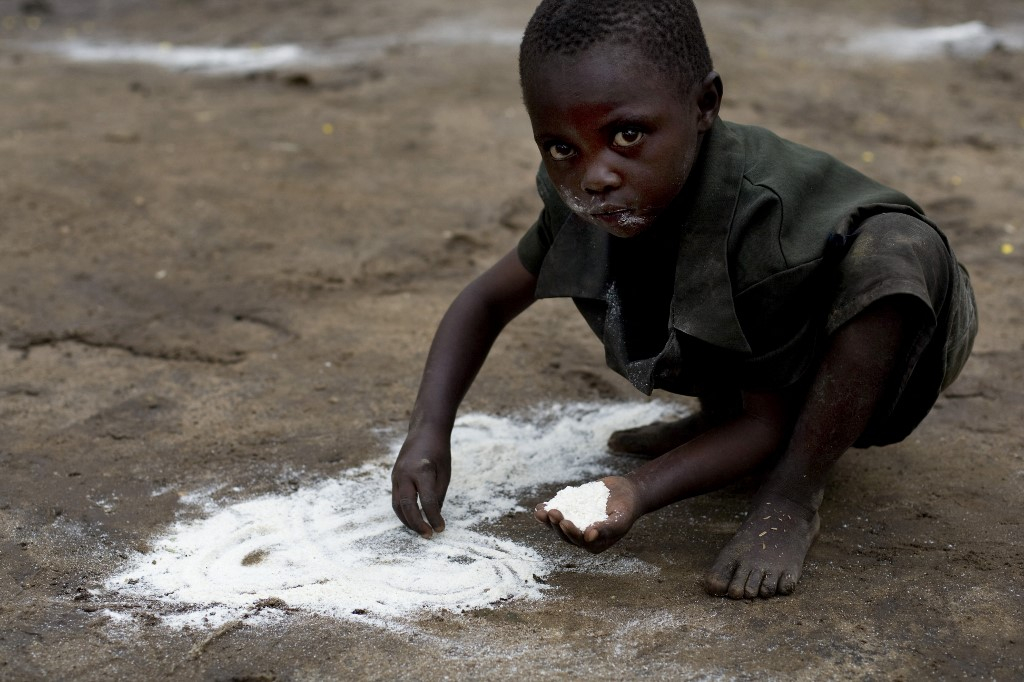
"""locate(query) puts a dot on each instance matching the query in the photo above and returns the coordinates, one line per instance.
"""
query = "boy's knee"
(898, 265)
(885, 326)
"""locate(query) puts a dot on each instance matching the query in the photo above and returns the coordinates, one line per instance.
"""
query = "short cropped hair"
(667, 32)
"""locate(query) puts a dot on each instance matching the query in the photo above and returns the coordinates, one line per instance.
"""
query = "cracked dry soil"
(199, 287)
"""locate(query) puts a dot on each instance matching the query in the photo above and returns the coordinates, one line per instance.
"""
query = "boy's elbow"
(503, 291)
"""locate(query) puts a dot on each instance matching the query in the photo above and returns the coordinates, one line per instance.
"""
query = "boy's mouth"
(617, 216)
(610, 215)
(609, 210)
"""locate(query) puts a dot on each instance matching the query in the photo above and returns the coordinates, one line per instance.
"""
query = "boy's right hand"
(465, 335)
(422, 471)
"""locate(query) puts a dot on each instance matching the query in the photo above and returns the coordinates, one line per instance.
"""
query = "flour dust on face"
(617, 136)
(337, 549)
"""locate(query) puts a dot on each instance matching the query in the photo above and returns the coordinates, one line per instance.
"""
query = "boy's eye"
(560, 151)
(627, 137)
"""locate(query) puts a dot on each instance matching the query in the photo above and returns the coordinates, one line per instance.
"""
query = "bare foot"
(654, 440)
(622, 509)
(766, 556)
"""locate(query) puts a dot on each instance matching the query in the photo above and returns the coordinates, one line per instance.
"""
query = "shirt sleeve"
(533, 246)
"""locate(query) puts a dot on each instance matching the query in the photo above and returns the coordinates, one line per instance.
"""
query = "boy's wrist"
(430, 426)
(636, 480)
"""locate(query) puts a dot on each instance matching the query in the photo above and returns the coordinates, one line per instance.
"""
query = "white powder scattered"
(581, 505)
(971, 39)
(183, 57)
(337, 548)
(213, 59)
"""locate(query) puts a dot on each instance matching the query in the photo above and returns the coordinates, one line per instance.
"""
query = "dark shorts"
(899, 255)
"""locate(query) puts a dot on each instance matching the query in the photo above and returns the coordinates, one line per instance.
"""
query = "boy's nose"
(599, 178)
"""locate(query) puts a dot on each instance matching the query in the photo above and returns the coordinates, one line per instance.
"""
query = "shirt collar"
(576, 265)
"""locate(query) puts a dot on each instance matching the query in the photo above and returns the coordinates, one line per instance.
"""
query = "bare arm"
(710, 461)
(461, 343)
(718, 457)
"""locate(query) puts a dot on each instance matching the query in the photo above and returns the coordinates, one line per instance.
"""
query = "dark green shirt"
(731, 286)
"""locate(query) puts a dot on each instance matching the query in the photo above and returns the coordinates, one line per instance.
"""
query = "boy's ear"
(709, 99)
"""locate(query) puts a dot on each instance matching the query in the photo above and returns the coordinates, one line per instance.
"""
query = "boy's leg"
(654, 440)
(766, 555)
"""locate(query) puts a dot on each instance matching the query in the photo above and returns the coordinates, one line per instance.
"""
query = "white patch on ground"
(227, 60)
(184, 57)
(337, 548)
(972, 39)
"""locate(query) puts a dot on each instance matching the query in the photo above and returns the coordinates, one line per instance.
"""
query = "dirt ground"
(182, 255)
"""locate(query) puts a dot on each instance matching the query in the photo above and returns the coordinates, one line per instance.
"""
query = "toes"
(633, 442)
(787, 583)
(770, 585)
(738, 586)
(753, 585)
(717, 580)
(620, 439)
(716, 585)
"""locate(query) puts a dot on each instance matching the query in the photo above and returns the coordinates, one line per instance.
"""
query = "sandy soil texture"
(228, 282)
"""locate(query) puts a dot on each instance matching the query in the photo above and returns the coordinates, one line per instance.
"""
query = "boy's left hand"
(622, 510)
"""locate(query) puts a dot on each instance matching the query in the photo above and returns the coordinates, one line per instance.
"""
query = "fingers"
(595, 538)
(417, 494)
(571, 532)
(553, 519)
(432, 510)
(403, 501)
(556, 522)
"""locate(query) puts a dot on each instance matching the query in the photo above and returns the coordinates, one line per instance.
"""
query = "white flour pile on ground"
(581, 505)
(337, 549)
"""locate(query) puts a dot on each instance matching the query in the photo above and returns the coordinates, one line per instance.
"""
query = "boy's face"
(617, 137)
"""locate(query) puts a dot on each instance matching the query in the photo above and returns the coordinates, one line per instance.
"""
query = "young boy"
(809, 308)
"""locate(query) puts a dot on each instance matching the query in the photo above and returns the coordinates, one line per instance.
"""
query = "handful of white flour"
(582, 505)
